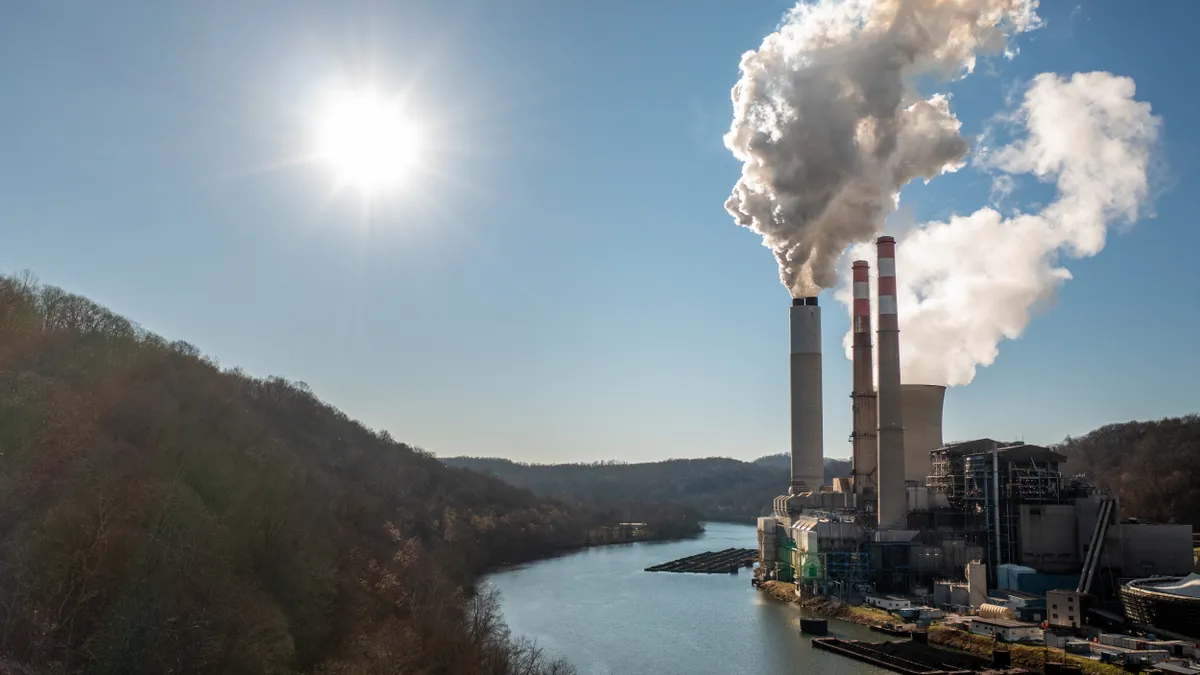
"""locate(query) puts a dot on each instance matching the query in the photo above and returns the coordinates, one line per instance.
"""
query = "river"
(597, 609)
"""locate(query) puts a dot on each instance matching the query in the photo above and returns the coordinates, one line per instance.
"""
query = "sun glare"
(368, 141)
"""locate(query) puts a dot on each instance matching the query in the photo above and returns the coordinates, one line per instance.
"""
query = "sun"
(368, 140)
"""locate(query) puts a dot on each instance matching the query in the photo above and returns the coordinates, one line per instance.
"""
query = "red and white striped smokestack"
(864, 448)
(808, 456)
(893, 499)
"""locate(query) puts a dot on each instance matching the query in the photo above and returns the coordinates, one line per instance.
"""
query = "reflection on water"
(601, 612)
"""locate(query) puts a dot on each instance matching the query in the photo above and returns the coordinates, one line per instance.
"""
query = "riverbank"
(630, 533)
(829, 608)
(1023, 656)
(592, 542)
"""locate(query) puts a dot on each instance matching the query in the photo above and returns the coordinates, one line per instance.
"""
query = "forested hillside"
(1154, 467)
(834, 468)
(158, 515)
(717, 488)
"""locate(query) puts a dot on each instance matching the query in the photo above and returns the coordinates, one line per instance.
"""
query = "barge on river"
(727, 561)
(909, 657)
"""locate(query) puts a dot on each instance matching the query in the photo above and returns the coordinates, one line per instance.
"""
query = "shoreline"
(825, 607)
(1026, 656)
(558, 553)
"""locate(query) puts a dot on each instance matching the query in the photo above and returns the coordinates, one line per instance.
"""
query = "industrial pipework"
(807, 434)
(863, 442)
(893, 499)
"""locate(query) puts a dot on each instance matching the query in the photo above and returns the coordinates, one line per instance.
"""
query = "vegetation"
(1151, 466)
(715, 488)
(1023, 656)
(159, 515)
(834, 468)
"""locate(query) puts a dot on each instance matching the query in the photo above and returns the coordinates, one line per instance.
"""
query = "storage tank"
(921, 408)
(990, 611)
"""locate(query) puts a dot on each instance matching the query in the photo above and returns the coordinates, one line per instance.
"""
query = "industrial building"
(1171, 603)
(1008, 630)
(1025, 606)
(947, 524)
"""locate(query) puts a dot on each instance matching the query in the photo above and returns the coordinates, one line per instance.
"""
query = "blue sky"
(562, 283)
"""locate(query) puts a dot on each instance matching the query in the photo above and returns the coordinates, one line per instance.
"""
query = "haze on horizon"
(551, 275)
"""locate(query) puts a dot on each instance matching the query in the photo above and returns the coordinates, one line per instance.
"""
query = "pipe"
(863, 453)
(893, 498)
(996, 496)
(807, 433)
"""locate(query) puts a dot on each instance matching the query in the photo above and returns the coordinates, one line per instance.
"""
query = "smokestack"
(893, 498)
(863, 446)
(922, 427)
(807, 434)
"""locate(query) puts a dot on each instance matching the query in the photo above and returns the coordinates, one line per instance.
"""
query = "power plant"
(919, 518)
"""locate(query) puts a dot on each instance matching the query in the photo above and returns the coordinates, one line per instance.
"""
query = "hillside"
(834, 468)
(160, 515)
(1154, 467)
(717, 488)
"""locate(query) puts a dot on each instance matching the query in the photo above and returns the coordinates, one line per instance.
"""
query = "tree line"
(161, 515)
(714, 488)
(1153, 467)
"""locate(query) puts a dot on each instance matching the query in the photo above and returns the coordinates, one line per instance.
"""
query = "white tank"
(990, 611)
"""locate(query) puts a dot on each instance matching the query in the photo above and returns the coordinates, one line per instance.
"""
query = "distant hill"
(834, 468)
(1154, 467)
(718, 488)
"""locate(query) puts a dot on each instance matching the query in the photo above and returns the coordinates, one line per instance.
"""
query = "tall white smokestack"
(807, 433)
(893, 498)
(864, 448)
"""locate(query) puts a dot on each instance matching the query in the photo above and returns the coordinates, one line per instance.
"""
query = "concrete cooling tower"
(921, 408)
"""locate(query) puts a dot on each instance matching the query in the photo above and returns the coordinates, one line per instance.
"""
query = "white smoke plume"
(830, 127)
(965, 284)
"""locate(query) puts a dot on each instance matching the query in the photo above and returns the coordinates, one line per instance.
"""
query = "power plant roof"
(1187, 587)
(1021, 452)
(970, 447)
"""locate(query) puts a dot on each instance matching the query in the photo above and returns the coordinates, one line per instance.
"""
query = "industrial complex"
(1001, 531)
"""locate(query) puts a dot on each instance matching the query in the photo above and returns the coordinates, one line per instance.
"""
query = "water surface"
(600, 611)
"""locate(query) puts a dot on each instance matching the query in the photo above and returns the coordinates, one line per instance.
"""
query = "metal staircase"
(1092, 561)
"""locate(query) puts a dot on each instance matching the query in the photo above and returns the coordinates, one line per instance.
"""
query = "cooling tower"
(864, 446)
(893, 497)
(922, 408)
(807, 434)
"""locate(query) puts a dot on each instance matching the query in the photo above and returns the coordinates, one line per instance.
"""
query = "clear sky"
(561, 281)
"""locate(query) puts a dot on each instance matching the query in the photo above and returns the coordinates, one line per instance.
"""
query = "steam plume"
(829, 126)
(972, 281)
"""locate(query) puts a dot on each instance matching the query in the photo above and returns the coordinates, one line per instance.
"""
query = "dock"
(727, 561)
